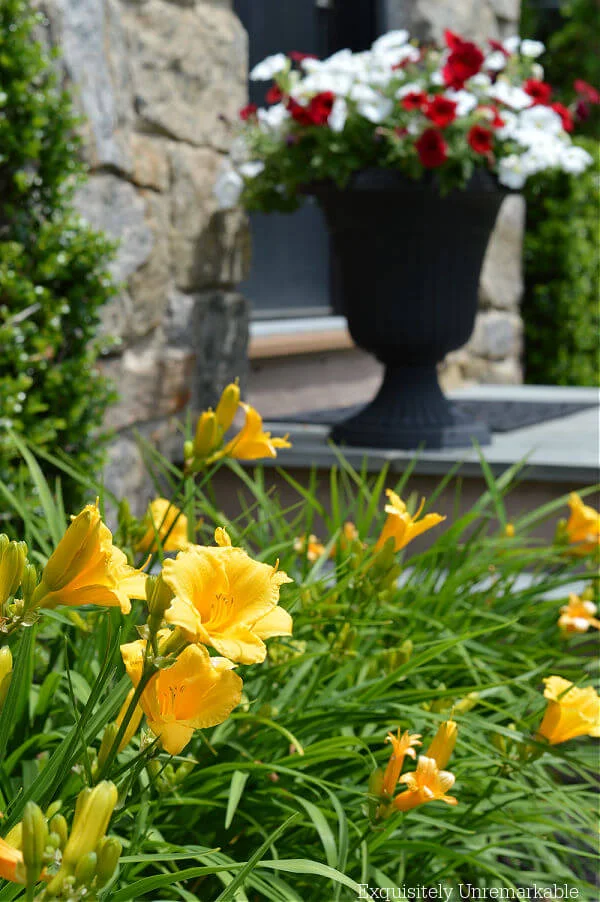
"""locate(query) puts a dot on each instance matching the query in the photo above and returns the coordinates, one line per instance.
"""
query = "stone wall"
(474, 19)
(159, 84)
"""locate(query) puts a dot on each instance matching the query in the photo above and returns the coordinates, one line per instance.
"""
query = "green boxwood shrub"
(562, 272)
(53, 268)
(562, 276)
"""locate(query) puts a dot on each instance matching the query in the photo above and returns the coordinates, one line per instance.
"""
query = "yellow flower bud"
(34, 839)
(53, 809)
(159, 597)
(207, 434)
(58, 825)
(109, 851)
(85, 870)
(93, 811)
(12, 562)
(509, 531)
(28, 582)
(6, 666)
(73, 551)
(108, 738)
(467, 703)
(228, 405)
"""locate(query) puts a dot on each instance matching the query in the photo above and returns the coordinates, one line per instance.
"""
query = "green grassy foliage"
(274, 804)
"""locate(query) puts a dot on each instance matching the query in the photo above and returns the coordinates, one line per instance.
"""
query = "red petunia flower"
(414, 100)
(316, 112)
(300, 114)
(480, 139)
(453, 40)
(441, 111)
(248, 111)
(565, 115)
(587, 91)
(582, 111)
(274, 94)
(297, 56)
(320, 107)
(432, 149)
(496, 121)
(541, 91)
(465, 60)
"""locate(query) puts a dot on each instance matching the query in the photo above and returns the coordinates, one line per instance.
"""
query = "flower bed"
(294, 705)
(418, 110)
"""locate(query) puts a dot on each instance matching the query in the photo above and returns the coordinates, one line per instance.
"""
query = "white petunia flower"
(537, 71)
(269, 67)
(410, 88)
(532, 49)
(324, 80)
(370, 104)
(574, 160)
(464, 100)
(251, 169)
(495, 62)
(544, 154)
(510, 128)
(512, 44)
(480, 81)
(338, 115)
(375, 111)
(539, 119)
(437, 78)
(510, 95)
(390, 41)
(511, 172)
(273, 119)
(228, 187)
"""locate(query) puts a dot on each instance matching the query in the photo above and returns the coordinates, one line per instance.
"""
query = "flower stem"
(147, 674)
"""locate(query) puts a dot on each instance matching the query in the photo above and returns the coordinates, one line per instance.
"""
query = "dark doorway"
(290, 273)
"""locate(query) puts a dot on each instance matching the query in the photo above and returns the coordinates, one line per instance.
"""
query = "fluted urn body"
(407, 262)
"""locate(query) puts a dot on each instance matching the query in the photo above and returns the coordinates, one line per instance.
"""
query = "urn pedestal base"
(410, 411)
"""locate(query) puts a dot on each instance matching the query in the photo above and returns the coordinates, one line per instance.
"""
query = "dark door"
(290, 273)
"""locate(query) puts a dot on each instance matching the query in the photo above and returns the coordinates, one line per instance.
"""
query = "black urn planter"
(406, 265)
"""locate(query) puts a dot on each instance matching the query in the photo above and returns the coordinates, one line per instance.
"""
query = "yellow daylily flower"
(583, 526)
(578, 615)
(312, 549)
(12, 866)
(225, 599)
(426, 784)
(401, 526)
(402, 745)
(571, 711)
(86, 568)
(195, 693)
(252, 442)
(443, 743)
(166, 520)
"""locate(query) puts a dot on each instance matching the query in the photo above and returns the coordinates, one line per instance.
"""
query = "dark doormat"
(500, 416)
